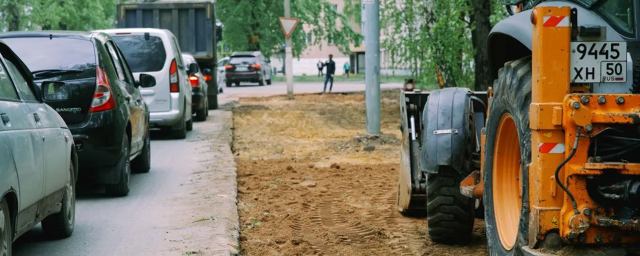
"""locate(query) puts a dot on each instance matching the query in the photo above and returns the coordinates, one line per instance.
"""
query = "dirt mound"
(307, 186)
(366, 142)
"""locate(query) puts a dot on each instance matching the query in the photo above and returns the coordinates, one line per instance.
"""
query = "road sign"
(288, 24)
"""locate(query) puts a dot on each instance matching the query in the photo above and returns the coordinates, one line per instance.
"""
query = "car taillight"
(207, 78)
(174, 86)
(195, 82)
(229, 67)
(255, 66)
(103, 98)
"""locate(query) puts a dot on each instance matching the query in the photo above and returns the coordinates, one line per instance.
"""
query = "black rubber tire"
(201, 114)
(229, 84)
(206, 108)
(6, 238)
(512, 95)
(142, 163)
(450, 215)
(268, 81)
(262, 81)
(180, 133)
(189, 124)
(60, 225)
(121, 188)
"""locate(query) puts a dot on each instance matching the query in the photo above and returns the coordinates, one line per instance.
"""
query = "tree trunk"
(481, 15)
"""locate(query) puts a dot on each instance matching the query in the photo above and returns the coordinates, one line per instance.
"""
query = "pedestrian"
(331, 70)
(347, 68)
(320, 67)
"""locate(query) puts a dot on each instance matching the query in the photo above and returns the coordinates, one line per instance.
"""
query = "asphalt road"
(254, 90)
(131, 225)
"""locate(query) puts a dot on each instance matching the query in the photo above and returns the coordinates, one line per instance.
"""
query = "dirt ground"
(310, 182)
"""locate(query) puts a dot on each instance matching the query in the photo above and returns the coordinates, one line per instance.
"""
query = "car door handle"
(5, 118)
(36, 117)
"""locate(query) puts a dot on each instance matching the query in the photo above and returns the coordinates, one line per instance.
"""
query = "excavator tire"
(450, 214)
(507, 154)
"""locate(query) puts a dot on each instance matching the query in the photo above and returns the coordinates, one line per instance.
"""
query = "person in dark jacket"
(331, 70)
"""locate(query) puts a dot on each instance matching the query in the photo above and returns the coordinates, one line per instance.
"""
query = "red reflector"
(207, 78)
(195, 82)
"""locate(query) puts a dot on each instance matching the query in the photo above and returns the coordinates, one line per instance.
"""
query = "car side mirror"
(207, 71)
(147, 81)
(55, 91)
(192, 68)
(268, 61)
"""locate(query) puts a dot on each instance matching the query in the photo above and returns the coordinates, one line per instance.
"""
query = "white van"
(156, 52)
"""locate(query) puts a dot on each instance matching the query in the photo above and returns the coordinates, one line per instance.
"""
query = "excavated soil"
(310, 182)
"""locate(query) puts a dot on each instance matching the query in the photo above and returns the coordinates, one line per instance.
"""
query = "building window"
(309, 38)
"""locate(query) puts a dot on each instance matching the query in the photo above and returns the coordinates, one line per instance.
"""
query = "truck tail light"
(195, 81)
(174, 86)
(103, 98)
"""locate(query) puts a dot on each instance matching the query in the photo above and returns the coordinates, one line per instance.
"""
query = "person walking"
(331, 70)
(347, 68)
(320, 66)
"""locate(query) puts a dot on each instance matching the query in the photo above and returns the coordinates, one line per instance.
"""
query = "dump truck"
(192, 22)
(549, 156)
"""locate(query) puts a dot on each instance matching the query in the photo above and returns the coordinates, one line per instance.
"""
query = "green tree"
(253, 25)
(57, 14)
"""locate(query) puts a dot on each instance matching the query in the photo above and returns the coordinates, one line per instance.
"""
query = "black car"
(104, 111)
(248, 67)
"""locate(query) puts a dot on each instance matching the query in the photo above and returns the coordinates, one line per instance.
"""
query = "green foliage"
(427, 36)
(57, 14)
(247, 19)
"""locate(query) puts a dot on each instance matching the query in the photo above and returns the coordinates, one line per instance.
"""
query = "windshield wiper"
(54, 72)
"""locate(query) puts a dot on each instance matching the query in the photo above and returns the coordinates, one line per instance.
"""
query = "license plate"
(598, 62)
(242, 68)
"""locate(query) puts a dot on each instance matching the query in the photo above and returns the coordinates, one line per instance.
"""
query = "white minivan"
(156, 52)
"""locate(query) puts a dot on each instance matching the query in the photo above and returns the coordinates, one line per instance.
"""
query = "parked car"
(222, 78)
(248, 67)
(102, 104)
(199, 99)
(157, 53)
(38, 161)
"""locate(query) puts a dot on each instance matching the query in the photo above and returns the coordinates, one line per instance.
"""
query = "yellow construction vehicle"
(550, 155)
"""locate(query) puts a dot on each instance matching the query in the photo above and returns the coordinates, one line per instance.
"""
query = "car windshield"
(243, 60)
(72, 59)
(143, 55)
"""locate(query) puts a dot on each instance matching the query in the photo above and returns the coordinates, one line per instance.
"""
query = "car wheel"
(180, 133)
(207, 108)
(60, 225)
(189, 124)
(142, 163)
(201, 114)
(122, 187)
(7, 235)
(269, 81)
(229, 83)
(262, 80)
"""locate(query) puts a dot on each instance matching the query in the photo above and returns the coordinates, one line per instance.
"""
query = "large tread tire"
(511, 95)
(121, 188)
(201, 114)
(6, 232)
(190, 124)
(142, 163)
(60, 225)
(450, 215)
